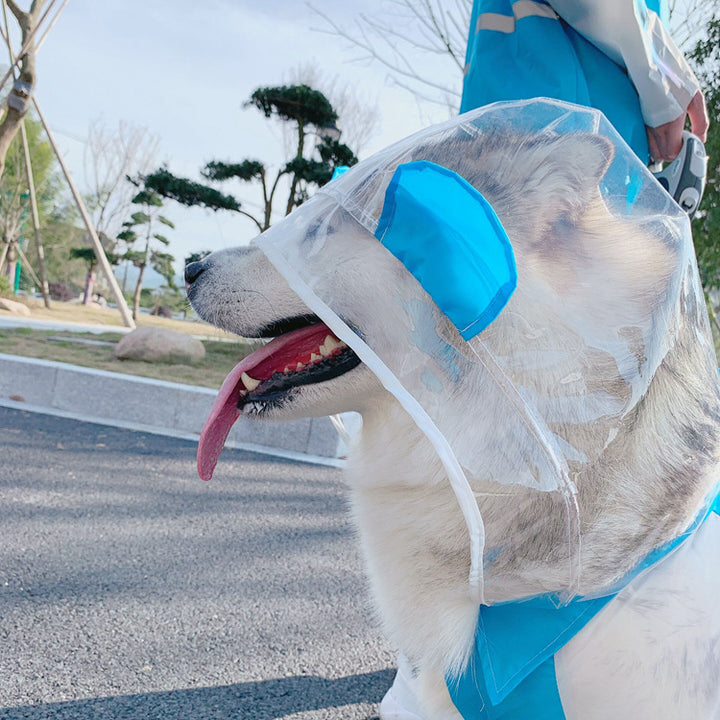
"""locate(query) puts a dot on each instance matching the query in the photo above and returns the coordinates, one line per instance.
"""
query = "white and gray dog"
(606, 337)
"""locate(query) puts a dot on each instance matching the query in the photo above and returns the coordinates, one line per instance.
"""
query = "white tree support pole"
(3, 255)
(97, 245)
(35, 218)
(24, 259)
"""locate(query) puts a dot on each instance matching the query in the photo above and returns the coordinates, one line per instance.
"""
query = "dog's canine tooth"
(330, 344)
(299, 366)
(249, 383)
(315, 357)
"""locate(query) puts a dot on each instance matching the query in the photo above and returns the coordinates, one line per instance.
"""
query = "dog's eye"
(317, 234)
(320, 226)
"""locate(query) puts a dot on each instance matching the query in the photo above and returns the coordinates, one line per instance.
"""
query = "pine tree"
(145, 220)
(308, 112)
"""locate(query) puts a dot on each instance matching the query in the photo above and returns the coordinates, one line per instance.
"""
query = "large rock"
(13, 307)
(159, 345)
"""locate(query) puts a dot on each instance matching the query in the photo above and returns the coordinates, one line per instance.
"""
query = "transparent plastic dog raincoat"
(436, 203)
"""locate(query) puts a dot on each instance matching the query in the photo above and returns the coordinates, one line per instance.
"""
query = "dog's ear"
(566, 171)
(449, 238)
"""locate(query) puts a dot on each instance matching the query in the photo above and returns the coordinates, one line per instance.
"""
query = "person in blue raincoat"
(614, 55)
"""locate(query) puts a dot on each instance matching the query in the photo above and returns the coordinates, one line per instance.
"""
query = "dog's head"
(603, 348)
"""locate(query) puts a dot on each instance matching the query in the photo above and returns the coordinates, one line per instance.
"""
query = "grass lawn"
(221, 353)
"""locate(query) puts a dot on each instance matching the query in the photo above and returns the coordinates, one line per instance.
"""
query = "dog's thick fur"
(638, 488)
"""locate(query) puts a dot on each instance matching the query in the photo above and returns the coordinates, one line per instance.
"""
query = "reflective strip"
(521, 9)
(506, 23)
(495, 21)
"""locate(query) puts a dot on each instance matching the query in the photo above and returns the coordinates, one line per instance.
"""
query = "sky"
(183, 69)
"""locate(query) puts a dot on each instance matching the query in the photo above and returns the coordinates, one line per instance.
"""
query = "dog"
(628, 394)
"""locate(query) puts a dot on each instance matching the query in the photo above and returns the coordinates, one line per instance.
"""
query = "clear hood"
(527, 258)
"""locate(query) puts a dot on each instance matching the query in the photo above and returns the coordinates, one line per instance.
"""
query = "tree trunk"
(136, 295)
(89, 286)
(294, 183)
(11, 269)
(146, 260)
(18, 101)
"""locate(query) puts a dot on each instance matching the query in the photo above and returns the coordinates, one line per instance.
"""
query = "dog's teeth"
(248, 382)
(331, 343)
(286, 370)
(299, 366)
(315, 357)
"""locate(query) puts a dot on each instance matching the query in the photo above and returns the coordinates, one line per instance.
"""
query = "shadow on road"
(261, 700)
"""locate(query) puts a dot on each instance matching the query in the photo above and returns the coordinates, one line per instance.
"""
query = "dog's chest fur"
(654, 650)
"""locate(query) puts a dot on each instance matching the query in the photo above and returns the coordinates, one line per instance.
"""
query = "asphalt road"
(131, 589)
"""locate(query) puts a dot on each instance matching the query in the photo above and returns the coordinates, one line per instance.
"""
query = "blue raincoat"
(523, 49)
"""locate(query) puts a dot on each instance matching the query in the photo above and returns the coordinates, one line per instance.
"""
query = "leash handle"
(684, 178)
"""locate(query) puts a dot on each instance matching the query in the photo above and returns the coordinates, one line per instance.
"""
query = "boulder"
(162, 311)
(161, 346)
(15, 308)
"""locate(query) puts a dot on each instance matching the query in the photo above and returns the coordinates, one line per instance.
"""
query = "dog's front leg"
(434, 697)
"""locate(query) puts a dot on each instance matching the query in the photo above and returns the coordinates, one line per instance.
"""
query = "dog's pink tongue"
(222, 417)
(269, 359)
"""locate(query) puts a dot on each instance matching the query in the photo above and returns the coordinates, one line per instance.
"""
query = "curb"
(155, 406)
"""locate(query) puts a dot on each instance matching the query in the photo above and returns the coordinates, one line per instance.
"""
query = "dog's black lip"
(277, 389)
(279, 384)
(286, 325)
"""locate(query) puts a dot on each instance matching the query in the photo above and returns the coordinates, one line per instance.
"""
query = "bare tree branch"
(688, 19)
(253, 218)
(36, 7)
(409, 30)
(110, 156)
(358, 117)
(15, 10)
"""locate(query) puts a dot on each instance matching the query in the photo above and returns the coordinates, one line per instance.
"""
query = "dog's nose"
(194, 270)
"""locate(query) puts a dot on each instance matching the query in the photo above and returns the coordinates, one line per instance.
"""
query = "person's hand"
(665, 141)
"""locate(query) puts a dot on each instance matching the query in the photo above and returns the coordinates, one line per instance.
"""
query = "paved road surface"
(130, 589)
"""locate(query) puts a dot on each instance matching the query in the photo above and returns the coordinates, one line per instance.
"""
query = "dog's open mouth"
(267, 377)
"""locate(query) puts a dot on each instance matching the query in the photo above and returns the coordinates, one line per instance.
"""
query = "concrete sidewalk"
(13, 322)
(155, 406)
(16, 321)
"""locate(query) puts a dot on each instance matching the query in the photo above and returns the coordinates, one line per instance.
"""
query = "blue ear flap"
(448, 236)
